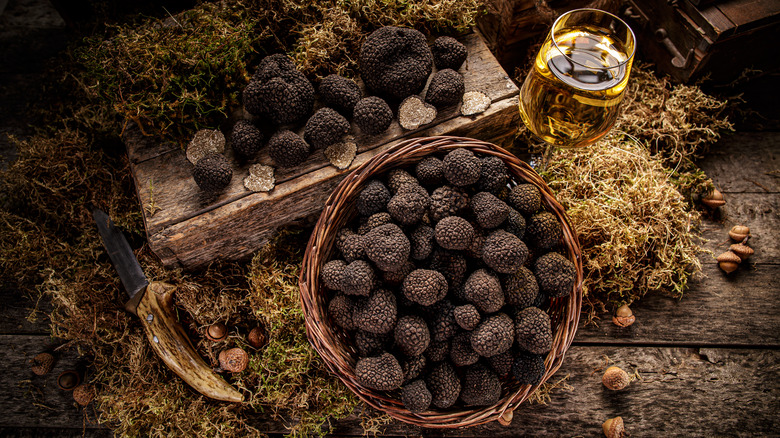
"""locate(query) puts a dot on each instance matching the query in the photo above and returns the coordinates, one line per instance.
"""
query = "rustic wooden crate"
(189, 229)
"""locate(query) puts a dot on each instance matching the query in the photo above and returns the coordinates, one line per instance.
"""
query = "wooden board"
(190, 229)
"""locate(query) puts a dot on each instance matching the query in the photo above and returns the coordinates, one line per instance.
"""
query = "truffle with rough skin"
(533, 330)
(412, 336)
(443, 326)
(372, 115)
(467, 316)
(444, 384)
(526, 198)
(448, 53)
(543, 231)
(341, 308)
(528, 368)
(430, 171)
(489, 211)
(382, 373)
(332, 274)
(461, 167)
(452, 264)
(324, 128)
(373, 198)
(378, 313)
(422, 242)
(520, 288)
(447, 201)
(388, 247)
(369, 223)
(279, 91)
(424, 286)
(555, 274)
(246, 139)
(483, 289)
(288, 149)
(515, 223)
(502, 363)
(413, 366)
(395, 61)
(494, 335)
(454, 232)
(504, 252)
(407, 207)
(446, 88)
(493, 176)
(461, 352)
(399, 177)
(477, 242)
(351, 245)
(395, 278)
(416, 397)
(212, 173)
(358, 278)
(481, 386)
(371, 344)
(438, 351)
(339, 93)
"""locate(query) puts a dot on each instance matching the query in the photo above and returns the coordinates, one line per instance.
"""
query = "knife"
(153, 304)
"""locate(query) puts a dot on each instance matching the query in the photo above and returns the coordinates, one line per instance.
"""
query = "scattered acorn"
(615, 378)
(741, 250)
(217, 332)
(506, 418)
(68, 380)
(233, 360)
(614, 428)
(728, 261)
(256, 337)
(42, 364)
(714, 199)
(624, 317)
(83, 394)
(738, 233)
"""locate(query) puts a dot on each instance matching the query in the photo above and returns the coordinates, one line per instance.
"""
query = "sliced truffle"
(544, 231)
(502, 363)
(447, 201)
(533, 330)
(444, 384)
(481, 386)
(413, 367)
(325, 128)
(461, 352)
(515, 223)
(358, 278)
(494, 335)
(430, 171)
(246, 139)
(372, 344)
(555, 274)
(467, 316)
(279, 91)
(489, 210)
(388, 247)
(452, 264)
(446, 88)
(212, 173)
(483, 289)
(454, 232)
(332, 274)
(413, 113)
(373, 198)
(528, 368)
(382, 373)
(443, 326)
(407, 207)
(369, 223)
(377, 313)
(504, 252)
(526, 198)
(372, 115)
(461, 167)
(395, 61)
(288, 149)
(493, 176)
(424, 286)
(341, 308)
(411, 335)
(422, 242)
(520, 288)
(448, 53)
(416, 397)
(339, 93)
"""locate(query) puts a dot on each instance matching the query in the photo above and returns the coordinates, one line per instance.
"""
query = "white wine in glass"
(571, 96)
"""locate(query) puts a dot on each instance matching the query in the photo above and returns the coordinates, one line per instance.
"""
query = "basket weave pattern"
(335, 347)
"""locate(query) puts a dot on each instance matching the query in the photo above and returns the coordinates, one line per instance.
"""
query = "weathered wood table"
(709, 363)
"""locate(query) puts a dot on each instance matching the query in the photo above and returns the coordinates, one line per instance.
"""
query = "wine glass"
(571, 96)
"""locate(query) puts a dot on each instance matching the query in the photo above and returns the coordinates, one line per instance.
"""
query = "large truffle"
(494, 335)
(447, 201)
(372, 344)
(424, 286)
(555, 274)
(543, 231)
(288, 149)
(504, 252)
(212, 173)
(339, 93)
(382, 373)
(358, 278)
(373, 198)
(528, 368)
(332, 274)
(467, 316)
(324, 128)
(444, 384)
(246, 139)
(416, 397)
(411, 335)
(481, 386)
(483, 289)
(369, 223)
(388, 247)
(407, 207)
(448, 53)
(454, 232)
(461, 352)
(377, 313)
(422, 242)
(526, 198)
(533, 331)
(489, 210)
(341, 308)
(461, 167)
(372, 115)
(452, 264)
(279, 91)
(493, 176)
(395, 61)
(520, 288)
(396, 178)
(446, 88)
(351, 245)
(430, 171)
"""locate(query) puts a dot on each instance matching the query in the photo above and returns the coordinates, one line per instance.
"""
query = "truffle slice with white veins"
(205, 142)
(474, 102)
(414, 113)
(260, 178)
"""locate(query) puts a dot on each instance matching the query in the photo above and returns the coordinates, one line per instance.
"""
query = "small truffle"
(452, 264)
(448, 53)
(246, 139)
(555, 274)
(454, 232)
(493, 176)
(515, 223)
(446, 88)
(352, 246)
(413, 113)
(461, 167)
(372, 115)
(543, 231)
(444, 384)
(288, 149)
(447, 201)
(358, 278)
(528, 368)
(438, 351)
(407, 207)
(461, 352)
(489, 210)
(388, 247)
(382, 373)
(397, 178)
(373, 198)
(502, 363)
(424, 286)
(413, 366)
(341, 308)
(376, 314)
(494, 335)
(443, 326)
(339, 93)
(395, 61)
(430, 171)
(369, 223)
(526, 198)
(416, 397)
(422, 242)
(484, 291)
(504, 252)
(395, 278)
(520, 288)
(467, 316)
(332, 274)
(325, 128)
(533, 331)
(372, 344)
(481, 386)
(212, 173)
(411, 335)
(279, 91)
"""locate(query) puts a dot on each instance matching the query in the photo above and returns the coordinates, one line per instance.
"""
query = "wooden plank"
(750, 14)
(18, 315)
(746, 162)
(40, 432)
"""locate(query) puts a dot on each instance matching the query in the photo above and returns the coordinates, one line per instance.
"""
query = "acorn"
(217, 332)
(42, 364)
(68, 380)
(728, 261)
(741, 250)
(714, 199)
(233, 360)
(256, 337)
(83, 394)
(738, 233)
(614, 428)
(615, 378)
(623, 316)
(506, 418)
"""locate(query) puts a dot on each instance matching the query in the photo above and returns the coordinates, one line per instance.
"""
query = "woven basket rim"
(330, 341)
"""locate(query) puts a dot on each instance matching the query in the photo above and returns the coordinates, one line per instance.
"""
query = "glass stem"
(548, 151)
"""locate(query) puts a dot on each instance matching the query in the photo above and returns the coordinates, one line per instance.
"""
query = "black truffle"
(424, 286)
(528, 368)
(489, 211)
(443, 326)
(430, 171)
(461, 167)
(372, 344)
(515, 223)
(351, 245)
(395, 278)
(411, 335)
(358, 278)
(520, 288)
(324, 128)
(407, 207)
(493, 176)
(526, 198)
(372, 115)
(339, 93)
(494, 335)
(543, 231)
(369, 223)
(332, 274)
(502, 363)
(481, 386)
(413, 366)
(484, 291)
(288, 149)
(399, 177)
(461, 352)
(444, 384)
(377, 313)
(246, 139)
(533, 330)
(448, 53)
(447, 201)
(341, 308)
(454, 232)
(373, 198)
(555, 274)
(477, 242)
(279, 91)
(446, 88)
(422, 242)
(416, 397)
(212, 173)
(438, 351)
(467, 316)
(388, 247)
(504, 252)
(452, 264)
(395, 61)
(382, 373)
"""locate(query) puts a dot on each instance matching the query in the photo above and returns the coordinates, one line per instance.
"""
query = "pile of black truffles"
(442, 279)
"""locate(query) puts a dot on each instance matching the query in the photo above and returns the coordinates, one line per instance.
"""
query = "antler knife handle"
(171, 343)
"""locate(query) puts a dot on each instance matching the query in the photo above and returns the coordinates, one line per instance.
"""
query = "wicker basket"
(335, 347)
